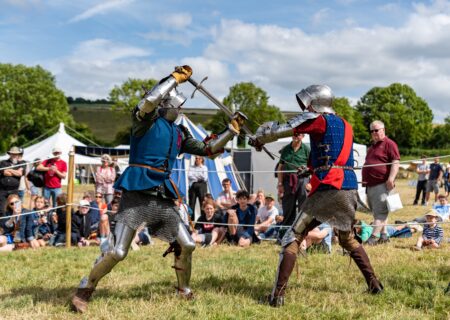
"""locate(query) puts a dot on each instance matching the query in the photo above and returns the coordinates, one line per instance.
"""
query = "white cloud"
(320, 16)
(95, 66)
(283, 60)
(176, 20)
(100, 8)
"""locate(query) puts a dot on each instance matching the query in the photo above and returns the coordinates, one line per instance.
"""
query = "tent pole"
(70, 184)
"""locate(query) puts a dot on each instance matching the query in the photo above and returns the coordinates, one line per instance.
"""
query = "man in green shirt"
(291, 188)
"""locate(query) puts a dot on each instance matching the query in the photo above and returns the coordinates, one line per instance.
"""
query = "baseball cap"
(84, 203)
(269, 195)
(56, 149)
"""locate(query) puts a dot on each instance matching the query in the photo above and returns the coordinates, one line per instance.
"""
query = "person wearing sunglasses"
(9, 228)
(378, 176)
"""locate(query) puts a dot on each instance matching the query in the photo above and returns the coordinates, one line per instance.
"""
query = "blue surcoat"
(326, 151)
(157, 148)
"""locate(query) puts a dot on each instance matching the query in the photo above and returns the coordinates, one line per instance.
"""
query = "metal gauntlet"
(216, 143)
(272, 131)
(154, 97)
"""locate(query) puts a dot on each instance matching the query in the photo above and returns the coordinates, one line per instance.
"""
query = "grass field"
(228, 282)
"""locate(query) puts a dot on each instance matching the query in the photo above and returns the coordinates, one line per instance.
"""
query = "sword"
(224, 108)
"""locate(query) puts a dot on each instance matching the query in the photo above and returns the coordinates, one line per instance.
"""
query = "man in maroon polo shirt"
(379, 179)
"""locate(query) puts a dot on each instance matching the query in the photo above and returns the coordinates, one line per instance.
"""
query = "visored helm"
(171, 104)
(317, 96)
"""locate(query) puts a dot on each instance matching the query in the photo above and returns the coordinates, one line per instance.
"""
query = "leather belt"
(325, 168)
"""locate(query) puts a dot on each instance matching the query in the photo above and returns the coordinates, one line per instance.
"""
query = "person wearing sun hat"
(432, 234)
(10, 177)
(55, 170)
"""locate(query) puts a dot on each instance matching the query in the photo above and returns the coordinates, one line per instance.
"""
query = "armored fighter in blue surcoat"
(148, 192)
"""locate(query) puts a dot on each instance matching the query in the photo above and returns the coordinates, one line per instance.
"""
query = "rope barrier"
(213, 223)
(256, 171)
(26, 163)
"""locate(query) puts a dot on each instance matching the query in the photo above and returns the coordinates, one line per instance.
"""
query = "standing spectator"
(55, 170)
(378, 174)
(291, 188)
(35, 180)
(242, 213)
(83, 175)
(436, 173)
(10, 178)
(105, 177)
(432, 233)
(266, 216)
(115, 165)
(423, 170)
(197, 177)
(23, 185)
(447, 180)
(226, 198)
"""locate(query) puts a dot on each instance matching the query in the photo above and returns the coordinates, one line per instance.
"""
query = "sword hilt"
(196, 85)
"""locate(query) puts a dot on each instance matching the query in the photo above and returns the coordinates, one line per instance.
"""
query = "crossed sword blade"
(224, 108)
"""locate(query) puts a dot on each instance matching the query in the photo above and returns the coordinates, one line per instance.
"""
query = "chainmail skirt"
(158, 214)
(336, 207)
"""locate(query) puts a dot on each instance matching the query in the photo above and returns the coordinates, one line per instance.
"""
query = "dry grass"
(229, 281)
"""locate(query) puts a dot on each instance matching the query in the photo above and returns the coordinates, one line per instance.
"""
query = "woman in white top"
(197, 177)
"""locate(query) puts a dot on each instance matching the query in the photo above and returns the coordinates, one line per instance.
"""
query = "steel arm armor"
(216, 143)
(272, 131)
(154, 97)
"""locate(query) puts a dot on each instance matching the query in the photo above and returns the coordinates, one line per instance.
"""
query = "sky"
(282, 46)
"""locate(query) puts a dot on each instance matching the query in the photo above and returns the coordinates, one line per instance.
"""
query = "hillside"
(106, 123)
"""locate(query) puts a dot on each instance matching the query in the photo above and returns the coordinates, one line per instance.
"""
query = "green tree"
(30, 104)
(252, 101)
(440, 137)
(127, 96)
(349, 113)
(406, 116)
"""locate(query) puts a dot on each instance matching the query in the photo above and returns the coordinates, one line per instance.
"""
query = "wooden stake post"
(70, 183)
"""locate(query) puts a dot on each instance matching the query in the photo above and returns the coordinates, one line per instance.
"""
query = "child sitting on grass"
(432, 233)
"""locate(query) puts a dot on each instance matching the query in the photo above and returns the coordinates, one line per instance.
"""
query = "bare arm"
(390, 183)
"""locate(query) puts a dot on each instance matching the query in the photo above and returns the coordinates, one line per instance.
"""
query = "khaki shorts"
(376, 199)
(433, 185)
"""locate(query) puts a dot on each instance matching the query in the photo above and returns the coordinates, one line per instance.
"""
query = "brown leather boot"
(361, 259)
(81, 298)
(285, 267)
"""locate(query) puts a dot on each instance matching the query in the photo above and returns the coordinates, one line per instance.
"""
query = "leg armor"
(359, 255)
(183, 261)
(114, 249)
(288, 255)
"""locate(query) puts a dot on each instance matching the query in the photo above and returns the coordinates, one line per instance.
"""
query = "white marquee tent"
(62, 140)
